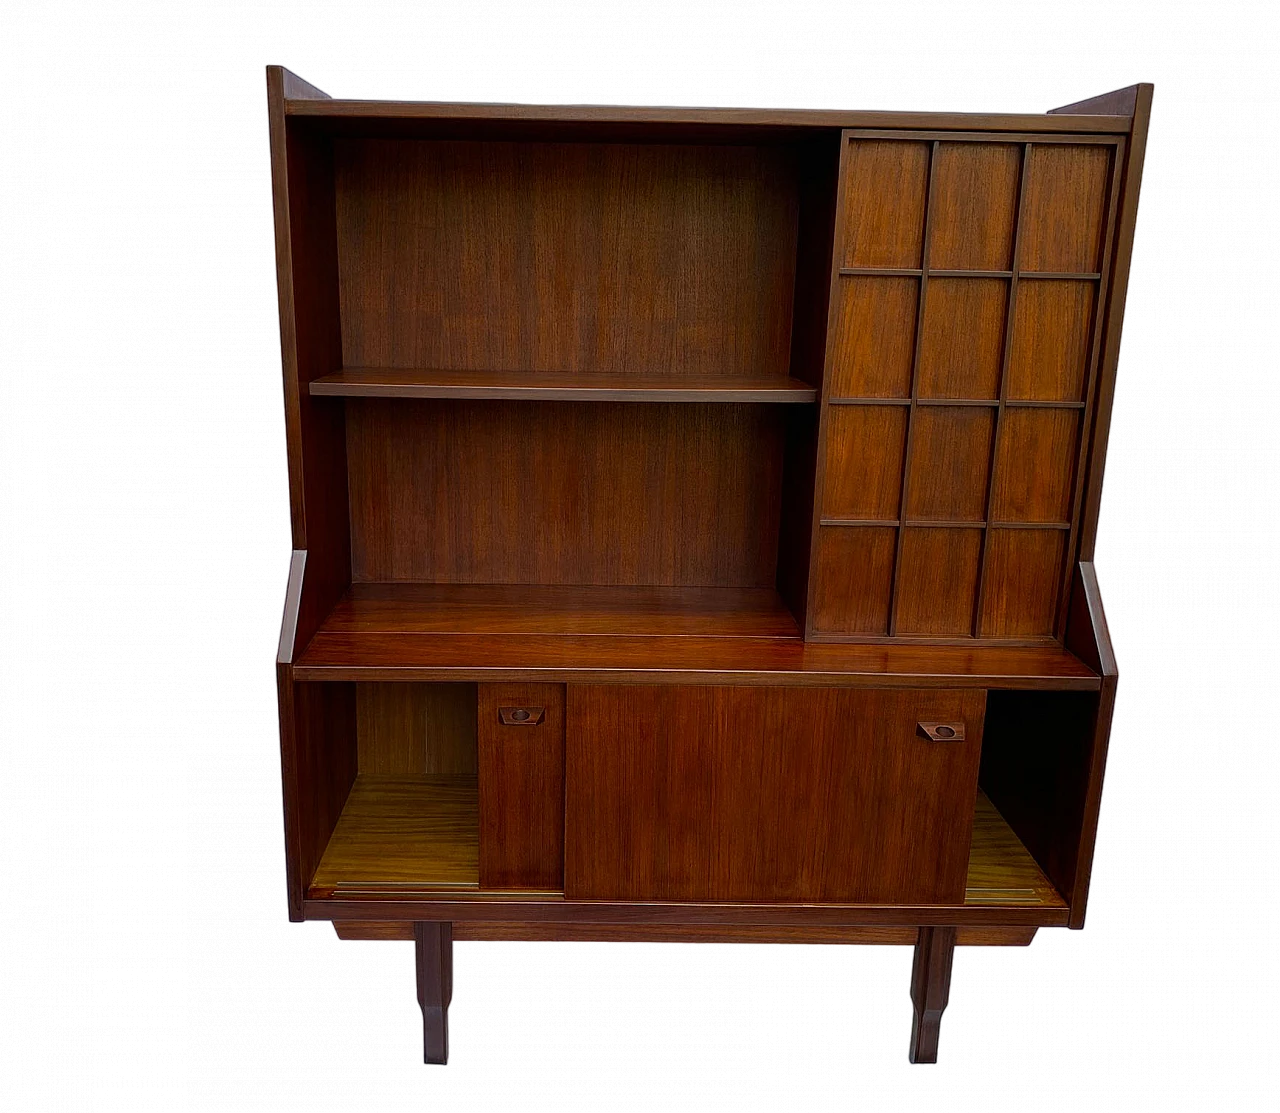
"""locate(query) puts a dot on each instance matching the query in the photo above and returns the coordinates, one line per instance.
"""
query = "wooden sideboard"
(693, 521)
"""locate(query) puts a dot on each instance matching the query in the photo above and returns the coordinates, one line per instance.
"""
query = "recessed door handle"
(942, 732)
(521, 716)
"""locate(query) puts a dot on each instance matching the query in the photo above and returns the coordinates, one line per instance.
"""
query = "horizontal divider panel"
(560, 387)
(691, 660)
(929, 523)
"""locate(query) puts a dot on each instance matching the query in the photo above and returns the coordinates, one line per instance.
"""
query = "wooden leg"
(433, 948)
(930, 986)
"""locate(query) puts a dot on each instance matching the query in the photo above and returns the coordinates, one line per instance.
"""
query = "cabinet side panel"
(311, 346)
(318, 760)
(768, 794)
(521, 786)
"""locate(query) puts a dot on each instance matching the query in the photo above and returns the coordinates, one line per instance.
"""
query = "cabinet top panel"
(335, 109)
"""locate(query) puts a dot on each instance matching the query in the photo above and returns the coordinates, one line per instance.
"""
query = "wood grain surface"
(767, 794)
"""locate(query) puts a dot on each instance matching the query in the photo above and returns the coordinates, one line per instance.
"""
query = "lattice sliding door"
(962, 351)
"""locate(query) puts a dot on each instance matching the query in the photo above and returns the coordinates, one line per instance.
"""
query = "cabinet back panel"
(416, 729)
(578, 257)
(549, 493)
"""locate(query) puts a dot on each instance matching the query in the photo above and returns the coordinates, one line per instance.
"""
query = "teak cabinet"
(693, 518)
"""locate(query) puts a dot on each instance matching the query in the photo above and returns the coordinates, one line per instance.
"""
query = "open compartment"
(481, 317)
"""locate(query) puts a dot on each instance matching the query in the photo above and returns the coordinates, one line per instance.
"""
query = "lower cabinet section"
(769, 794)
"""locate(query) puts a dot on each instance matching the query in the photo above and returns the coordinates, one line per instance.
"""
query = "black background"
(643, 1021)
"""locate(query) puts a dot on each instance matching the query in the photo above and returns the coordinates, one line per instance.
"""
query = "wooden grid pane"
(1035, 463)
(874, 341)
(1023, 569)
(884, 198)
(950, 457)
(937, 581)
(864, 461)
(1064, 207)
(973, 206)
(854, 579)
(962, 339)
(1049, 357)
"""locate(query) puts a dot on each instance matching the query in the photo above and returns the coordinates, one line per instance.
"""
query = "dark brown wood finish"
(433, 958)
(560, 387)
(767, 794)
(717, 122)
(416, 729)
(310, 347)
(1135, 153)
(1049, 792)
(521, 787)
(556, 665)
(640, 660)
(929, 332)
(645, 259)
(930, 989)
(530, 492)
(318, 759)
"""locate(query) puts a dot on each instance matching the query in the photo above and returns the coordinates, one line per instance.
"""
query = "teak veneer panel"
(974, 206)
(566, 257)
(950, 457)
(872, 337)
(853, 584)
(409, 832)
(408, 729)
(531, 492)
(1064, 208)
(865, 447)
(939, 578)
(552, 386)
(769, 794)
(1049, 360)
(885, 184)
(962, 338)
(521, 787)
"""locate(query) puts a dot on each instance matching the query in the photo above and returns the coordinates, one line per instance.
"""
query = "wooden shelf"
(419, 835)
(558, 387)
(645, 634)
(413, 832)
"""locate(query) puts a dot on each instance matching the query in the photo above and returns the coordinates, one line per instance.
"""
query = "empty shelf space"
(559, 609)
(1001, 871)
(413, 833)
(360, 382)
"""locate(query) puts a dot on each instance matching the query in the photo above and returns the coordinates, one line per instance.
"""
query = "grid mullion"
(980, 597)
(915, 391)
